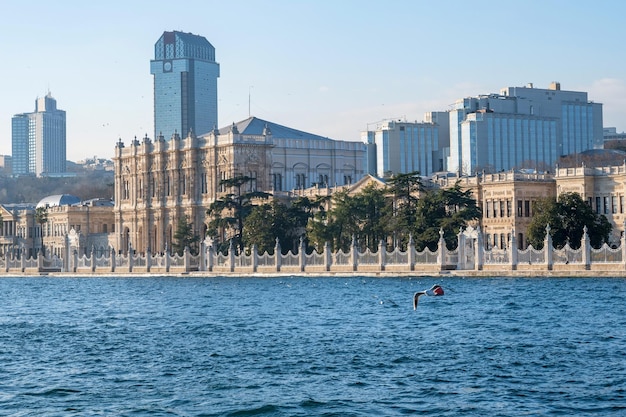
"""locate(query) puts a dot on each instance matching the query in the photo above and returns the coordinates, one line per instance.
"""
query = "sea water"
(312, 346)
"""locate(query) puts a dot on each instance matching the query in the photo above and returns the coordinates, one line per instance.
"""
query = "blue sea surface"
(312, 346)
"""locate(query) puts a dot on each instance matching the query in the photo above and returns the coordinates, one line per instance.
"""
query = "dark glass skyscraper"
(185, 84)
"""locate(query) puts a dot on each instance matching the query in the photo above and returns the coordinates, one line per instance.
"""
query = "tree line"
(403, 209)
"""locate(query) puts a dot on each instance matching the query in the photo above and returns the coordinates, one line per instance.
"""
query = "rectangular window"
(621, 204)
(598, 206)
(487, 208)
(501, 208)
(614, 204)
(508, 208)
(526, 208)
(495, 209)
(519, 208)
(104, 228)
(606, 205)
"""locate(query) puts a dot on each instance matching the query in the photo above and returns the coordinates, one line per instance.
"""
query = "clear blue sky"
(329, 67)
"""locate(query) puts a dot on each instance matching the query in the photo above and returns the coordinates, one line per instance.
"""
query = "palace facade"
(159, 182)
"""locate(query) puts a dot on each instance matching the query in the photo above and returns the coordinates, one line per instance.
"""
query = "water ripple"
(311, 347)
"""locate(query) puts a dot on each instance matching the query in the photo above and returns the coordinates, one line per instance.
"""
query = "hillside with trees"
(85, 185)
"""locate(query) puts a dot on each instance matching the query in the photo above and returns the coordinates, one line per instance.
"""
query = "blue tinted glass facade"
(39, 140)
(19, 143)
(185, 85)
(522, 127)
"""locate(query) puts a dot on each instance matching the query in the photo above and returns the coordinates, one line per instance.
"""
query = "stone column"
(148, 260)
(460, 239)
(441, 256)
(186, 259)
(585, 245)
(354, 252)
(40, 256)
(302, 253)
(231, 256)
(513, 250)
(327, 255)
(255, 259)
(411, 255)
(210, 258)
(547, 247)
(202, 266)
(623, 245)
(130, 258)
(479, 251)
(382, 252)
(277, 255)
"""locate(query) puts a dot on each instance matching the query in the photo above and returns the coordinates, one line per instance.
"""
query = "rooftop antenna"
(249, 89)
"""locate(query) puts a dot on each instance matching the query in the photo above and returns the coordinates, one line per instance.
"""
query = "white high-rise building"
(398, 146)
(39, 140)
(522, 127)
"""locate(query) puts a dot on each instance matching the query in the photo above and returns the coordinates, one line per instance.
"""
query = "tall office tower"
(39, 140)
(185, 85)
(522, 127)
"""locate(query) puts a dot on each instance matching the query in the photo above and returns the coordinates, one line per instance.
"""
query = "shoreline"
(383, 274)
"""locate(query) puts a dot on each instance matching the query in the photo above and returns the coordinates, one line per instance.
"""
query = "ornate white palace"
(158, 182)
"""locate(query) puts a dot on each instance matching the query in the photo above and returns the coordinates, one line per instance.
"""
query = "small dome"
(58, 200)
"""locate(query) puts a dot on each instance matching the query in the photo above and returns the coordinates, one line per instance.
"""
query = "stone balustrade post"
(411, 255)
(513, 251)
(623, 245)
(479, 251)
(210, 257)
(74, 260)
(93, 259)
(255, 258)
(548, 248)
(302, 253)
(22, 260)
(382, 252)
(148, 260)
(585, 245)
(40, 256)
(328, 257)
(112, 260)
(354, 252)
(278, 255)
(441, 255)
(187, 259)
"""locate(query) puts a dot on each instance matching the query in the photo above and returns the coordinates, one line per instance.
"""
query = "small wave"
(265, 409)
(54, 392)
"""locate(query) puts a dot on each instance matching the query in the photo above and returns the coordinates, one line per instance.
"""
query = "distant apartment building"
(522, 127)
(39, 140)
(6, 164)
(398, 146)
(185, 85)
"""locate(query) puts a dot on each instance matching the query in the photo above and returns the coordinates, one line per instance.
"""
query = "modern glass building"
(522, 128)
(185, 85)
(397, 146)
(39, 140)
